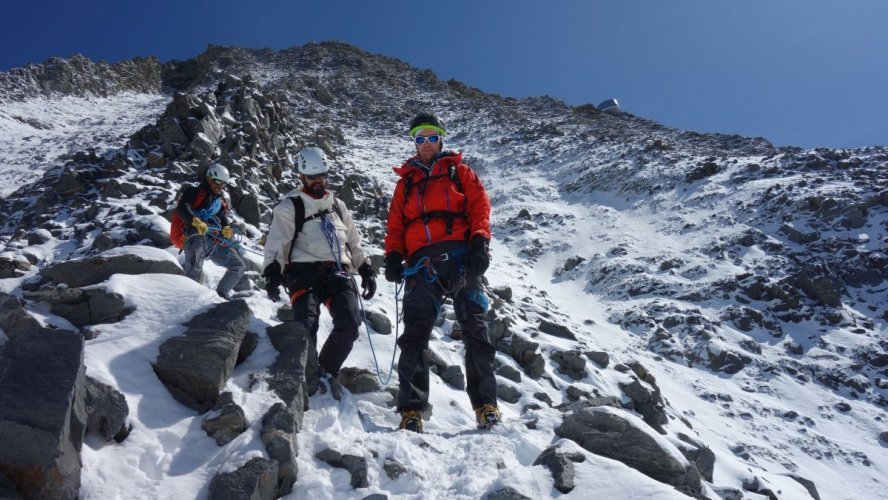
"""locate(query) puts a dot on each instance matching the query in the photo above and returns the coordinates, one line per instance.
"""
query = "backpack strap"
(299, 218)
(298, 221)
(425, 217)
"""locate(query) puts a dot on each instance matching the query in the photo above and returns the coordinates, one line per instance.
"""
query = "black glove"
(273, 281)
(368, 280)
(394, 269)
(479, 256)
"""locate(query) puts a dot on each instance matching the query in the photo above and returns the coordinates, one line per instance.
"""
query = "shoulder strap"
(408, 185)
(298, 221)
(454, 177)
(337, 206)
(451, 174)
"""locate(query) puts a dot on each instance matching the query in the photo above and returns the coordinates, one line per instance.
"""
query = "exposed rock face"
(279, 437)
(196, 365)
(82, 306)
(225, 421)
(619, 435)
(255, 480)
(355, 465)
(42, 439)
(92, 270)
(106, 410)
(291, 376)
(561, 466)
(14, 320)
(77, 75)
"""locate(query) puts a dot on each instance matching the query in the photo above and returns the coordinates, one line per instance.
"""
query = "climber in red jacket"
(439, 220)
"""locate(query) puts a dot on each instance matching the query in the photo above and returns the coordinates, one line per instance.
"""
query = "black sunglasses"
(316, 176)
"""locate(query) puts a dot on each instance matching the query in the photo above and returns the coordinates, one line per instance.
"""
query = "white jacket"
(311, 244)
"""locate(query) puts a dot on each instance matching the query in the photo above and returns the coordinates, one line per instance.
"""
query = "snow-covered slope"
(43, 132)
(711, 260)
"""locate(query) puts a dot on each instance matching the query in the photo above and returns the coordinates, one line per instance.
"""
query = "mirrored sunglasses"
(421, 139)
(218, 183)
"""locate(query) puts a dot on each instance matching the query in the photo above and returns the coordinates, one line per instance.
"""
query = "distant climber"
(312, 247)
(200, 227)
(439, 220)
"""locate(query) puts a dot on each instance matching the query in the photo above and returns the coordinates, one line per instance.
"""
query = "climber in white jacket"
(312, 248)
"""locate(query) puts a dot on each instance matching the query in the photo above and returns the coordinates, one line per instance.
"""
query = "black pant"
(311, 285)
(422, 302)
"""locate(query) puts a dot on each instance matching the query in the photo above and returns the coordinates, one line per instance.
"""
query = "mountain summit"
(676, 314)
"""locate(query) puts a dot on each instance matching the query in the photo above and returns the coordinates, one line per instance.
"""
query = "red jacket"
(467, 212)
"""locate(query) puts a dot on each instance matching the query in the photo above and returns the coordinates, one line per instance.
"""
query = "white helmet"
(311, 161)
(218, 173)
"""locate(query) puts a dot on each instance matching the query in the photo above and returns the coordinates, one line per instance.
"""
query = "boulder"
(452, 375)
(570, 363)
(106, 411)
(355, 465)
(379, 322)
(291, 376)
(359, 380)
(14, 320)
(700, 454)
(195, 366)
(508, 393)
(621, 436)
(556, 330)
(561, 466)
(13, 266)
(393, 469)
(506, 494)
(525, 353)
(42, 413)
(255, 480)
(248, 208)
(122, 260)
(279, 437)
(225, 421)
(92, 306)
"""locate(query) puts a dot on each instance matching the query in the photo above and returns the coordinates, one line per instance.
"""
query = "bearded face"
(315, 185)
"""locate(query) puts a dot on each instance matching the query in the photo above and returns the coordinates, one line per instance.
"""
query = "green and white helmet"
(312, 161)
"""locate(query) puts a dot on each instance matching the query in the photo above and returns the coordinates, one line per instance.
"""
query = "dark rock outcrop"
(92, 270)
(225, 421)
(561, 466)
(196, 365)
(255, 481)
(14, 320)
(355, 465)
(279, 437)
(42, 439)
(291, 376)
(82, 306)
(106, 411)
(619, 435)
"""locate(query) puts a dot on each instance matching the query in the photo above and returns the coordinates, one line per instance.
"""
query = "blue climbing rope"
(388, 378)
(329, 230)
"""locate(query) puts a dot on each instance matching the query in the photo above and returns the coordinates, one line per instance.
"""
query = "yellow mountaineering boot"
(487, 416)
(411, 420)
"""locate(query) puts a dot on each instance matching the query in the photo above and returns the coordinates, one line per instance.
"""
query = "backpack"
(177, 225)
(426, 216)
(300, 219)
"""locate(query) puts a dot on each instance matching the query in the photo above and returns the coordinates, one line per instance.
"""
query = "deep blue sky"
(797, 72)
